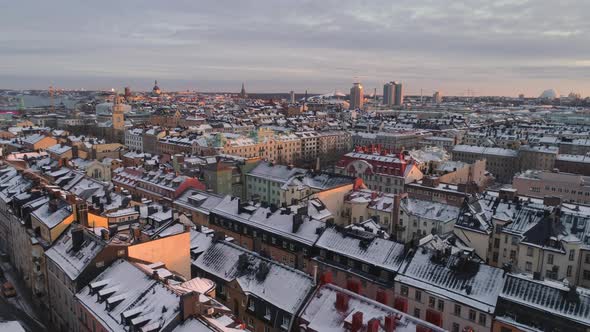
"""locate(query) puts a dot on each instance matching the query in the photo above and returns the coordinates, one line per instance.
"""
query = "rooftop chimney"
(357, 321)
(77, 238)
(373, 325)
(297, 221)
(507, 194)
(218, 236)
(342, 301)
(431, 181)
(104, 234)
(390, 323)
(552, 200)
(53, 203)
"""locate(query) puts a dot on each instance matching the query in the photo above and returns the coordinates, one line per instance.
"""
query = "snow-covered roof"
(321, 314)
(32, 139)
(11, 326)
(52, 218)
(283, 286)
(485, 150)
(549, 297)
(278, 173)
(73, 262)
(363, 246)
(278, 222)
(199, 200)
(129, 292)
(59, 148)
(430, 210)
(451, 276)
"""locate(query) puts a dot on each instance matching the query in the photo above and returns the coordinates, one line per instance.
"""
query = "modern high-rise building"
(437, 97)
(357, 95)
(399, 94)
(389, 94)
(393, 94)
(292, 97)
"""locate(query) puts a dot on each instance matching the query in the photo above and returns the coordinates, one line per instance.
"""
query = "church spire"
(243, 92)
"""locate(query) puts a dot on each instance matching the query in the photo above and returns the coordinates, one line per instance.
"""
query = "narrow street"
(18, 308)
(9, 312)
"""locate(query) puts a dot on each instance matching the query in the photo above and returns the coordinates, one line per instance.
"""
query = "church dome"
(549, 94)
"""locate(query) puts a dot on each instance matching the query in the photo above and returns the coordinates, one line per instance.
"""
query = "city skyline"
(501, 48)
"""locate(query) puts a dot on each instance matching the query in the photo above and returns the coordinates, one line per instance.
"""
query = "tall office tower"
(292, 95)
(357, 95)
(388, 94)
(437, 97)
(399, 94)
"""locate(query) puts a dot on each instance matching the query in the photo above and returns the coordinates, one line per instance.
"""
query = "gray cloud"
(492, 47)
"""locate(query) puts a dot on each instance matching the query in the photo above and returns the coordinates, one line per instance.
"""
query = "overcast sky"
(501, 47)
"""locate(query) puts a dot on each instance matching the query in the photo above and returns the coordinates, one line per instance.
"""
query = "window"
(431, 302)
(418, 296)
(416, 312)
(529, 251)
(472, 315)
(456, 327)
(482, 319)
(404, 290)
(267, 313)
(365, 268)
(572, 254)
(528, 267)
(505, 329)
(569, 271)
(251, 305)
(441, 305)
(457, 310)
(286, 321)
(549, 258)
